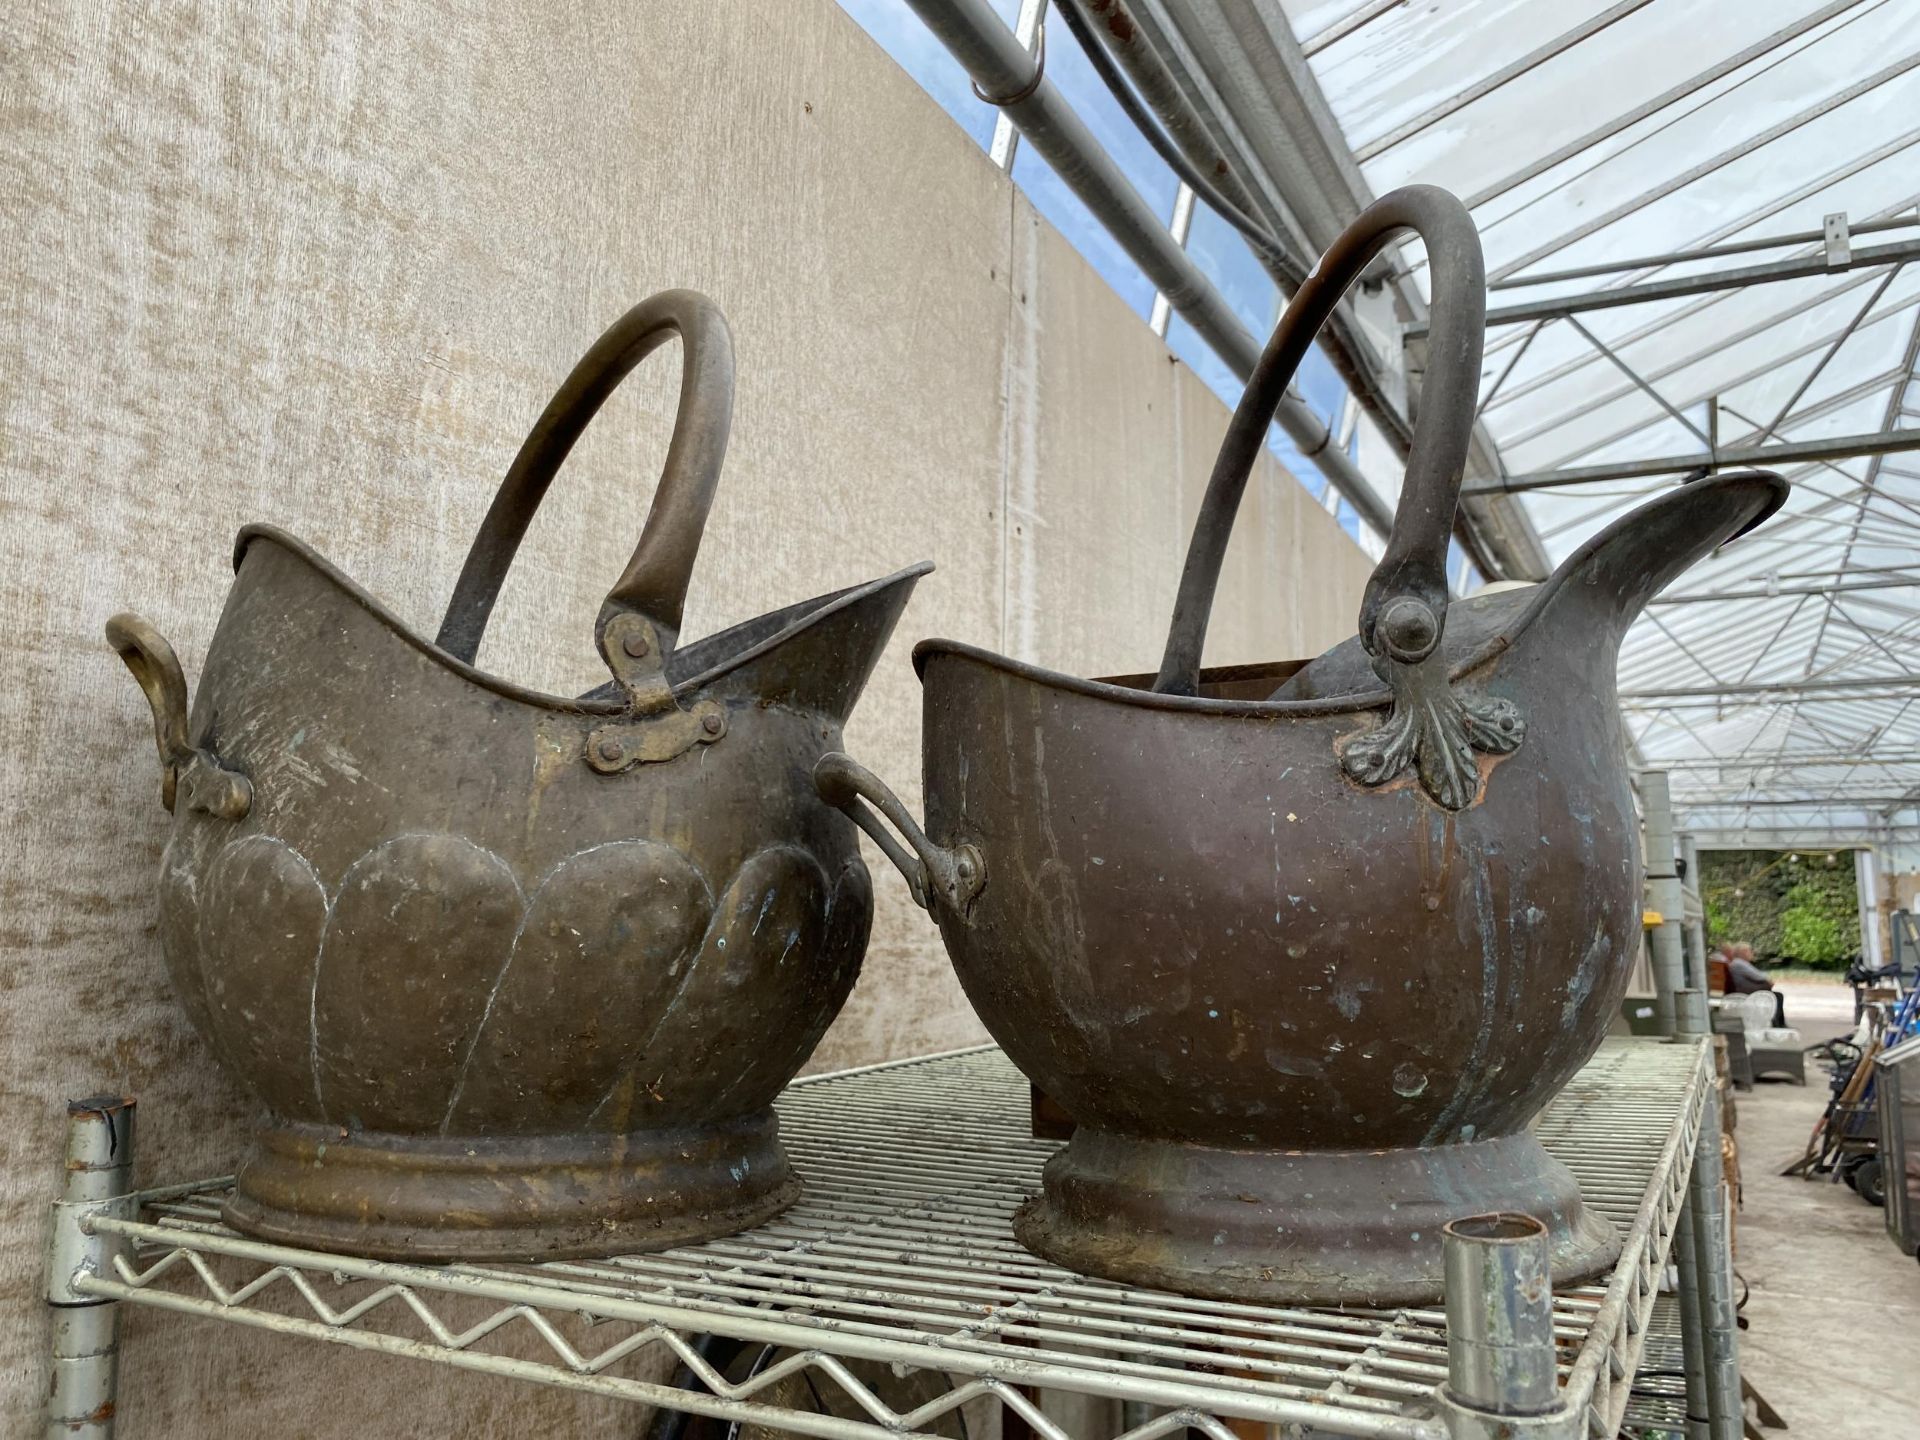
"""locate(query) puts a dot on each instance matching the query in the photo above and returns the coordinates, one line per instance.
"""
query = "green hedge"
(1795, 905)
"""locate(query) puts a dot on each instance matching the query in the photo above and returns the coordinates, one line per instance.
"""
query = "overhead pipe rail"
(1792, 801)
(1156, 90)
(1231, 83)
(1905, 680)
(1007, 75)
(1559, 306)
(1791, 759)
(1836, 255)
(1774, 592)
(1705, 252)
(1715, 835)
(1839, 447)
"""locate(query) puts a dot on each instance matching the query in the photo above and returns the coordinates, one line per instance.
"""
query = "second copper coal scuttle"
(1303, 948)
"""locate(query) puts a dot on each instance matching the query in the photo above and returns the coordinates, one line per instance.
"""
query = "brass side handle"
(954, 874)
(209, 786)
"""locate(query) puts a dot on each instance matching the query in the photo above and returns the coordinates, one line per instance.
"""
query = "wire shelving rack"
(901, 1254)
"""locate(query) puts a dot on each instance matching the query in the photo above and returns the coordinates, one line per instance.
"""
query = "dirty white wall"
(321, 264)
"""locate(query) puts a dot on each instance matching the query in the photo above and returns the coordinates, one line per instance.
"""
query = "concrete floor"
(1834, 1308)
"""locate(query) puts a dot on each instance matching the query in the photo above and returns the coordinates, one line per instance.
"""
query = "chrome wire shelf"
(901, 1253)
(1659, 1403)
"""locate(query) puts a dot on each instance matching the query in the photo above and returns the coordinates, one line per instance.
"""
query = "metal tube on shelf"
(1674, 1011)
(1503, 1376)
(86, 1365)
(85, 1328)
(1500, 1314)
(1692, 1319)
(1669, 961)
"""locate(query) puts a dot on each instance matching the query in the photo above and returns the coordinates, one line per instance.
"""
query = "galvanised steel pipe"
(1500, 1354)
(85, 1328)
(1905, 679)
(1001, 66)
(1696, 918)
(1277, 247)
(1680, 1008)
(1708, 597)
(1241, 81)
(1710, 252)
(1693, 1344)
(1693, 1341)
(1736, 279)
(1663, 890)
(1712, 1249)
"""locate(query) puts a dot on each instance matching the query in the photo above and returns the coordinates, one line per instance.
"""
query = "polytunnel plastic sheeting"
(1597, 132)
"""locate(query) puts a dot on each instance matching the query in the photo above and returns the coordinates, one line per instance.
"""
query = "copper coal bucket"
(1304, 948)
(516, 975)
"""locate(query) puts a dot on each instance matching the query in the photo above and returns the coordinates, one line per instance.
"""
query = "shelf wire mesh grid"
(900, 1254)
(1659, 1403)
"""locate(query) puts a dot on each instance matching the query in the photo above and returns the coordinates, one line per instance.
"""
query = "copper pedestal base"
(1307, 1228)
(439, 1198)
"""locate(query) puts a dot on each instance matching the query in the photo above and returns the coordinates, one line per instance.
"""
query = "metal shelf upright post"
(85, 1327)
(1708, 1324)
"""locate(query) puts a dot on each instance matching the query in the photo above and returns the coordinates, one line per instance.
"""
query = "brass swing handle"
(208, 785)
(639, 622)
(1404, 610)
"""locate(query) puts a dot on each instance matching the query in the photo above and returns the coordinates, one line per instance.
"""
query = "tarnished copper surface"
(516, 975)
(1303, 962)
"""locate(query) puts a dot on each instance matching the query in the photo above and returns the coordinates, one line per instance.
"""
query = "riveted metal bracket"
(656, 726)
(1436, 730)
(1838, 246)
(953, 874)
(632, 646)
(649, 740)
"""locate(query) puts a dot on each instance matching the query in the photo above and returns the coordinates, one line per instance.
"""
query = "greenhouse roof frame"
(1782, 709)
(1618, 156)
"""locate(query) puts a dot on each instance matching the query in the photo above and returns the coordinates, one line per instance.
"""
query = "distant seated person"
(1744, 977)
